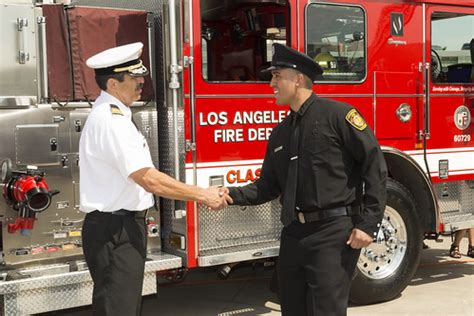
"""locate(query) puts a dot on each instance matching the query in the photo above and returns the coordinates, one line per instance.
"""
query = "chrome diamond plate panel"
(49, 298)
(236, 226)
(456, 203)
(166, 148)
(67, 290)
(147, 122)
(239, 253)
(162, 261)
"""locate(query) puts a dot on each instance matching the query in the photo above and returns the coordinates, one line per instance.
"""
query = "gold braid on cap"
(129, 68)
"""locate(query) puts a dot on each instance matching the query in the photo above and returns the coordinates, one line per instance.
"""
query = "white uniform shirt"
(111, 148)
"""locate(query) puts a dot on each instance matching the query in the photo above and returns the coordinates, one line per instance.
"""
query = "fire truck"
(207, 112)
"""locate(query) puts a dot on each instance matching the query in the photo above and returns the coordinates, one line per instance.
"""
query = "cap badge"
(356, 120)
(137, 68)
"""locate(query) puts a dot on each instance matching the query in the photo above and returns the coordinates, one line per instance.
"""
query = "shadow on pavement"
(437, 266)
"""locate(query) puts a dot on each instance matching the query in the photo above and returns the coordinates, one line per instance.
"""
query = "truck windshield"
(452, 47)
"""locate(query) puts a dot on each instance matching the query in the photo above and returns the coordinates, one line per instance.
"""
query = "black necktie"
(289, 196)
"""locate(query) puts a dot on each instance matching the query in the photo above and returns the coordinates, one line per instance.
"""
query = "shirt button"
(378, 225)
(375, 234)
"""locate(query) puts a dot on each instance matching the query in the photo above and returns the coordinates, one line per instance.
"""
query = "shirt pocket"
(316, 142)
(279, 153)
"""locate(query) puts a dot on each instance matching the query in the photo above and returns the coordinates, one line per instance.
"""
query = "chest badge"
(356, 120)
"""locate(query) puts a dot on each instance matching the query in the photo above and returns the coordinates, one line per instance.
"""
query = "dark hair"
(101, 80)
(308, 83)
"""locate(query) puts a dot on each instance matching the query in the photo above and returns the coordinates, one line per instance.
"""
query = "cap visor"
(269, 69)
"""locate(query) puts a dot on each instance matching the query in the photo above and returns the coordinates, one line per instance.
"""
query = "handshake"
(216, 198)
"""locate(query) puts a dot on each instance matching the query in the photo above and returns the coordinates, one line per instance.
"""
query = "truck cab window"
(236, 39)
(452, 48)
(335, 38)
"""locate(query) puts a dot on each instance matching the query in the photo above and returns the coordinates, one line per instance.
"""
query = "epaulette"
(115, 110)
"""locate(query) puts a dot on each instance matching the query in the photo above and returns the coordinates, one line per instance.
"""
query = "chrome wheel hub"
(386, 253)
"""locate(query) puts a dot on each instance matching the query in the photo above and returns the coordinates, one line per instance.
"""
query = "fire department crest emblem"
(462, 117)
(356, 120)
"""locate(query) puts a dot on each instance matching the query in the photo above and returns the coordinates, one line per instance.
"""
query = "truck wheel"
(387, 265)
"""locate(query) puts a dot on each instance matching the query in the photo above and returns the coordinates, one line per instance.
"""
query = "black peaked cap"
(286, 57)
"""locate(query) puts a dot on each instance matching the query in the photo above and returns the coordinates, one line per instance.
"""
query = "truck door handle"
(23, 55)
(53, 142)
(64, 161)
(78, 126)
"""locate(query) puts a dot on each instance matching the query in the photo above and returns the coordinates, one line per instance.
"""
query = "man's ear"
(300, 79)
(111, 84)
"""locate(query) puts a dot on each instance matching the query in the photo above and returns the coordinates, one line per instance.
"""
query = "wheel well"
(405, 170)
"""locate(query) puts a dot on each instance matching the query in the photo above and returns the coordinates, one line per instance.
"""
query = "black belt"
(123, 212)
(308, 217)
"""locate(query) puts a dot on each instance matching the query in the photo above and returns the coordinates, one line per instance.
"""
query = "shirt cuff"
(368, 225)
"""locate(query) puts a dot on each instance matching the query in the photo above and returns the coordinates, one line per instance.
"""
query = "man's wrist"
(201, 196)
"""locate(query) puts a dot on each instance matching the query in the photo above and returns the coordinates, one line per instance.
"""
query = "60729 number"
(462, 138)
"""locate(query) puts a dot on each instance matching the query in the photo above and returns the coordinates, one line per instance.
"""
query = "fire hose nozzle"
(27, 193)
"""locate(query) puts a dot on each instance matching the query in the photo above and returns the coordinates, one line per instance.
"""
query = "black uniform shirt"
(337, 159)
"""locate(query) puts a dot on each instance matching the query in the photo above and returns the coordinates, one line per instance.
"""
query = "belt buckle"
(301, 217)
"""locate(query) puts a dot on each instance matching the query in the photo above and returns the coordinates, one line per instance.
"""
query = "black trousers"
(115, 251)
(315, 267)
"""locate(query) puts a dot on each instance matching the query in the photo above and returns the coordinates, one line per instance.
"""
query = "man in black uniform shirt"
(327, 167)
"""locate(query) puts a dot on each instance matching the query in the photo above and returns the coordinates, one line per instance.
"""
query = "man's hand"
(217, 198)
(359, 239)
(224, 192)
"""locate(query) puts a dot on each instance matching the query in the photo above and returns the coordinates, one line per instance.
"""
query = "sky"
(453, 32)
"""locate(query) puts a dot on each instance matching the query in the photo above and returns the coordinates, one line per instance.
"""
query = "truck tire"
(387, 266)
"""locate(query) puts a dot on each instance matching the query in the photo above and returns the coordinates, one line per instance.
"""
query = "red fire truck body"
(416, 96)
(208, 112)
(398, 73)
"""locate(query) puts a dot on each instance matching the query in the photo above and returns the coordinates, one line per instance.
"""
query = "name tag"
(277, 149)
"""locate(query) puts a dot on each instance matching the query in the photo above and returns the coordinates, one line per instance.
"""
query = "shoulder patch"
(356, 120)
(115, 110)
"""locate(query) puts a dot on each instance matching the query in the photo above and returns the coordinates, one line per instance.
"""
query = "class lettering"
(242, 176)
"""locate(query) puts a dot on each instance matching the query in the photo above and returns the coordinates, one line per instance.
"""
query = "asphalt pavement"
(441, 286)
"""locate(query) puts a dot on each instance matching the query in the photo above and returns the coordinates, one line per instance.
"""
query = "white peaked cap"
(119, 59)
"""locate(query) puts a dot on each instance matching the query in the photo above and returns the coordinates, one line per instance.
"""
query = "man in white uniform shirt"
(117, 183)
